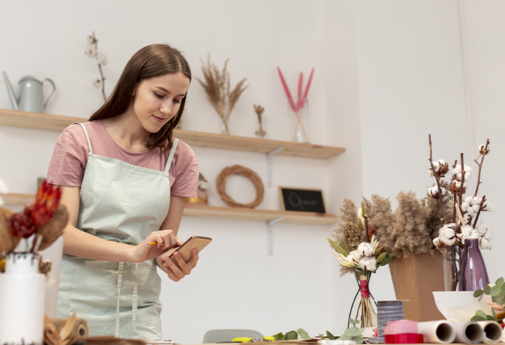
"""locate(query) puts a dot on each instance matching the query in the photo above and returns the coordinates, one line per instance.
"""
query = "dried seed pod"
(455, 187)
(45, 266)
(53, 228)
(483, 151)
(7, 241)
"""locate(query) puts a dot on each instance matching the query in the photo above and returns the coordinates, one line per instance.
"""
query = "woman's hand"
(177, 273)
(146, 250)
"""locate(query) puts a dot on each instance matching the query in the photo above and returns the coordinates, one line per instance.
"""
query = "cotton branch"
(480, 167)
(480, 209)
(462, 181)
(100, 69)
(440, 196)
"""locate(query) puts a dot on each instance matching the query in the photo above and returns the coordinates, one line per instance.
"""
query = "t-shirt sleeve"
(186, 172)
(69, 158)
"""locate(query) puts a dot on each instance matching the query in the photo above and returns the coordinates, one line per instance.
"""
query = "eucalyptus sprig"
(497, 293)
(354, 333)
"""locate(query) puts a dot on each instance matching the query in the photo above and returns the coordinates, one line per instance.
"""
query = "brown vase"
(414, 280)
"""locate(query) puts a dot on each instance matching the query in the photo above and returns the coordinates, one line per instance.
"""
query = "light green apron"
(124, 203)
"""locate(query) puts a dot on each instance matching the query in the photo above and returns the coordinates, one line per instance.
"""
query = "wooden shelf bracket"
(270, 155)
(271, 234)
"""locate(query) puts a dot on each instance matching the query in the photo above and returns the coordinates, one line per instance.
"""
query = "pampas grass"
(216, 84)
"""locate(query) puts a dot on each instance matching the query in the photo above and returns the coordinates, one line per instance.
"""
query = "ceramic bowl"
(460, 305)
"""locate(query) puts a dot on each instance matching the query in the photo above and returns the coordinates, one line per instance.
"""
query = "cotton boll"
(485, 244)
(436, 241)
(353, 257)
(101, 59)
(97, 82)
(365, 249)
(369, 264)
(456, 172)
(487, 206)
(447, 236)
(90, 52)
(476, 208)
(466, 231)
(90, 40)
(483, 150)
(488, 235)
(464, 206)
(471, 211)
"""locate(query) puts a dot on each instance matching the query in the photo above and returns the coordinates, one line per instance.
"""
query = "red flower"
(46, 202)
(22, 224)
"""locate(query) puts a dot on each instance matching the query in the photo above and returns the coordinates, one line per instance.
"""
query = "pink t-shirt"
(70, 157)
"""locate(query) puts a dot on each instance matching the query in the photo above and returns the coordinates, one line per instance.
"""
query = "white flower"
(353, 257)
(3, 187)
(447, 235)
(483, 150)
(102, 59)
(433, 191)
(90, 40)
(369, 264)
(90, 52)
(456, 172)
(97, 82)
(365, 249)
(485, 244)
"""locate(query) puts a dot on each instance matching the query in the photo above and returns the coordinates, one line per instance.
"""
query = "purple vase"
(473, 273)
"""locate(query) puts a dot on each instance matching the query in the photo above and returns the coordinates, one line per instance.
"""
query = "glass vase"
(473, 273)
(368, 316)
(450, 268)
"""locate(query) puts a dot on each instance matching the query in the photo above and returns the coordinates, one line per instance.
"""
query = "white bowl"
(460, 305)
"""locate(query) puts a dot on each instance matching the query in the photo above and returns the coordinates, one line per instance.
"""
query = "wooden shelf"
(192, 138)
(194, 210)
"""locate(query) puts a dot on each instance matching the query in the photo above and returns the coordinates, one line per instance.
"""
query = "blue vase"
(473, 273)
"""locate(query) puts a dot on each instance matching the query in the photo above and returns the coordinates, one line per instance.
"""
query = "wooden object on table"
(414, 279)
(228, 142)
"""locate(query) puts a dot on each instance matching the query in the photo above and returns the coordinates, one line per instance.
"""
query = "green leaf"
(478, 293)
(337, 247)
(302, 333)
(487, 289)
(291, 335)
(344, 246)
(352, 321)
(494, 313)
(499, 282)
(330, 336)
(381, 257)
(278, 336)
(363, 209)
(353, 331)
(481, 313)
(345, 337)
(359, 339)
(321, 336)
(478, 318)
(490, 318)
(495, 291)
(360, 225)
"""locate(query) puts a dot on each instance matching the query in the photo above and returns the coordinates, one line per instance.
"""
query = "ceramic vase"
(473, 273)
(22, 291)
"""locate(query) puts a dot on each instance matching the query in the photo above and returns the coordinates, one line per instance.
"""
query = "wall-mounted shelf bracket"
(269, 164)
(271, 234)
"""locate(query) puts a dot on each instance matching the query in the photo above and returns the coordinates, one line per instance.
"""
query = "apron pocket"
(149, 288)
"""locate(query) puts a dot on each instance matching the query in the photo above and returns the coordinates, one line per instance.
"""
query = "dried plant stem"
(478, 213)
(440, 199)
(100, 69)
(367, 234)
(462, 187)
(480, 168)
(454, 209)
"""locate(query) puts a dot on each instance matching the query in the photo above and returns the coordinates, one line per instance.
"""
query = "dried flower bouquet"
(216, 84)
(359, 252)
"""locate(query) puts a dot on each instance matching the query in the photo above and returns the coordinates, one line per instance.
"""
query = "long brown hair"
(151, 61)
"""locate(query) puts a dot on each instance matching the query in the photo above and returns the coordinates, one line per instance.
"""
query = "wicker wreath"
(247, 173)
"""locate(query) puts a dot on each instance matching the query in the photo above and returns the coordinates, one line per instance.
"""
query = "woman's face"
(158, 99)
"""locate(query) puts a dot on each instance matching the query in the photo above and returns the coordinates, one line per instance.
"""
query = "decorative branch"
(480, 166)
(440, 199)
(462, 187)
(92, 52)
(480, 209)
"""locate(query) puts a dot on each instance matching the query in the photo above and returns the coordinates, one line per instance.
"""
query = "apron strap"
(119, 283)
(87, 136)
(135, 298)
(171, 155)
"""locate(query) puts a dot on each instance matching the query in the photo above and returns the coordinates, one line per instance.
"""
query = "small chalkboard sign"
(302, 200)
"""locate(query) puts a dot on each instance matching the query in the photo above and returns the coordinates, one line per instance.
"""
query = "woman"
(125, 181)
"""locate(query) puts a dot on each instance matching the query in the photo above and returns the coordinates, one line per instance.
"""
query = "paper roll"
(440, 332)
(468, 332)
(492, 331)
(80, 327)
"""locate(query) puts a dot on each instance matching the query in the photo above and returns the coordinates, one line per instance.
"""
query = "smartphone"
(198, 242)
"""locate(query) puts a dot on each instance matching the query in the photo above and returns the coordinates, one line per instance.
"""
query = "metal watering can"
(30, 96)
